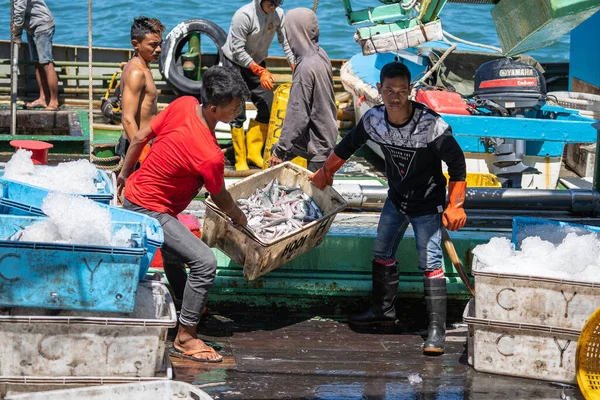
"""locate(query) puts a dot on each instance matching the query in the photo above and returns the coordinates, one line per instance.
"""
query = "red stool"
(37, 147)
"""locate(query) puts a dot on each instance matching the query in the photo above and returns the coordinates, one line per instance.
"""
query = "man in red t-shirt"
(184, 157)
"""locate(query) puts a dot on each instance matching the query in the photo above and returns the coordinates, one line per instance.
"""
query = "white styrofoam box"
(523, 350)
(580, 157)
(155, 390)
(534, 300)
(43, 343)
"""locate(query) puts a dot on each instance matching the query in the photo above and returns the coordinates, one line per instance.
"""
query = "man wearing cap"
(251, 33)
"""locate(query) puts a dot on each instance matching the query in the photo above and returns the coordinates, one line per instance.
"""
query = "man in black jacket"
(414, 140)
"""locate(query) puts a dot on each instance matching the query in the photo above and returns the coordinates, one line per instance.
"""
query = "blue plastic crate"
(552, 231)
(18, 189)
(66, 276)
(17, 203)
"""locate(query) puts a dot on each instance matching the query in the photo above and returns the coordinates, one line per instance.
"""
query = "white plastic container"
(580, 157)
(154, 390)
(587, 104)
(523, 350)
(258, 256)
(534, 300)
(39, 343)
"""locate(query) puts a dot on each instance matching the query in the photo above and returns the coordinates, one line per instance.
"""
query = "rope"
(485, 46)
(90, 92)
(315, 4)
(416, 84)
(408, 6)
(115, 168)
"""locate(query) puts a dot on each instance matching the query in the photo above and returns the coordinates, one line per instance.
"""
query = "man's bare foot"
(189, 346)
(51, 108)
(39, 103)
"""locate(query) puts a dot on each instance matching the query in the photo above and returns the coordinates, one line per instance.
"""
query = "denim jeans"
(182, 247)
(428, 236)
(40, 46)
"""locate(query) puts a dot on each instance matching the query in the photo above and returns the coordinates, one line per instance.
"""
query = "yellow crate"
(480, 179)
(588, 358)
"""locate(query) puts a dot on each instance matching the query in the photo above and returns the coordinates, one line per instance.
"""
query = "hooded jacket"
(310, 127)
(32, 15)
(251, 33)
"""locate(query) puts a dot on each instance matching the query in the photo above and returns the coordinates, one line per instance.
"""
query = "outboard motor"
(509, 88)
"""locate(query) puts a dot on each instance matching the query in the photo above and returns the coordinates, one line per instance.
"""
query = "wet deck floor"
(274, 356)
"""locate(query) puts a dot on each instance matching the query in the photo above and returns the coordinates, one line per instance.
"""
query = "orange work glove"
(454, 216)
(266, 78)
(293, 67)
(324, 176)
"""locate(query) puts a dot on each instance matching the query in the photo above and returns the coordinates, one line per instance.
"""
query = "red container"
(193, 225)
(443, 101)
(37, 147)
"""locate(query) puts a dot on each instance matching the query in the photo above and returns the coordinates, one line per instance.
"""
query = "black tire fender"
(169, 63)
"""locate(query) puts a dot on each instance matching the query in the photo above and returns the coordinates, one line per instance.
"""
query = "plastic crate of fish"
(68, 276)
(162, 390)
(80, 347)
(36, 194)
(519, 349)
(259, 256)
(16, 203)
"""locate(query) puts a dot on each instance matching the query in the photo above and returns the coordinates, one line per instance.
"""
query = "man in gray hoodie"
(35, 18)
(310, 127)
(252, 30)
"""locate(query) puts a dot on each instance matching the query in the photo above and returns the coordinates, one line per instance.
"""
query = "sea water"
(112, 23)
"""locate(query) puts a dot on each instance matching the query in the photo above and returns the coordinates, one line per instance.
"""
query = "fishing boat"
(504, 127)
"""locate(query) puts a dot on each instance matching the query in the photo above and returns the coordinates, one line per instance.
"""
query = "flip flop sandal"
(189, 355)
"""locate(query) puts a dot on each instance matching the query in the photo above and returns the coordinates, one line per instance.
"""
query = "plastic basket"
(588, 358)
(103, 182)
(480, 179)
(68, 276)
(18, 202)
(258, 256)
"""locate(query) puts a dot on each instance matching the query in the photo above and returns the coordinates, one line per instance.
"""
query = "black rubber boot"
(385, 289)
(436, 301)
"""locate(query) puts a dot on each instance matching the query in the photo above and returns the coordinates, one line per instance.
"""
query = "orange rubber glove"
(454, 216)
(293, 67)
(324, 176)
(267, 79)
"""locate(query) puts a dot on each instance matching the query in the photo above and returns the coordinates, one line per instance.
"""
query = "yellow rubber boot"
(255, 141)
(239, 148)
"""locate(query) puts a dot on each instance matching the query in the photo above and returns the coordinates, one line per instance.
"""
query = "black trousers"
(260, 97)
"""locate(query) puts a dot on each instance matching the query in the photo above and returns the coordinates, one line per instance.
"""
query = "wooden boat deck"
(277, 355)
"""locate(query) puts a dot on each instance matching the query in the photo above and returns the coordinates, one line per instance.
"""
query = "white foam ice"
(576, 257)
(68, 177)
(76, 220)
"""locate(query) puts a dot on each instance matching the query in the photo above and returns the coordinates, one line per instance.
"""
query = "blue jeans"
(40, 46)
(182, 247)
(428, 236)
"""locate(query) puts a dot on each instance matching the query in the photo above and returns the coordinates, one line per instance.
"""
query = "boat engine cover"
(509, 83)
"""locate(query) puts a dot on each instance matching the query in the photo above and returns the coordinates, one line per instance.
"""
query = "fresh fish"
(277, 210)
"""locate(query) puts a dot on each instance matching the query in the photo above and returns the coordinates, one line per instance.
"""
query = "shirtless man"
(139, 94)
